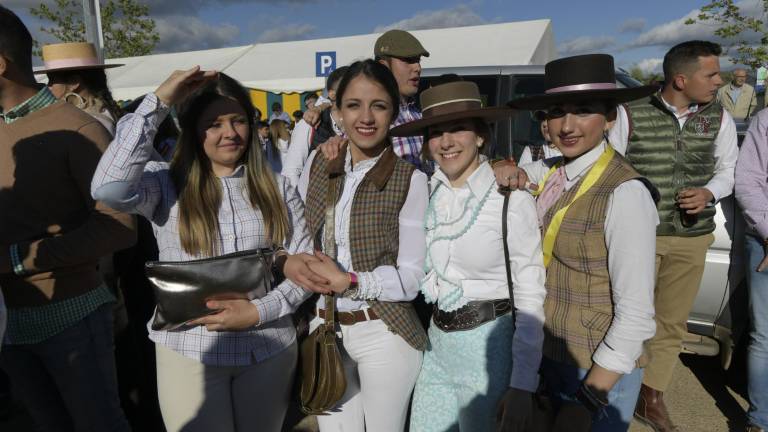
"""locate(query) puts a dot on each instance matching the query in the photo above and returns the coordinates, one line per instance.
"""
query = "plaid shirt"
(409, 148)
(126, 179)
(40, 100)
(36, 324)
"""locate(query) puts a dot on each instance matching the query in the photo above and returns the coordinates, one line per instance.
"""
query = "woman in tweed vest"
(374, 204)
(479, 350)
(598, 219)
(231, 370)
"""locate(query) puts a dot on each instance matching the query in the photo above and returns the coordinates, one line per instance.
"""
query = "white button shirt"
(630, 236)
(475, 260)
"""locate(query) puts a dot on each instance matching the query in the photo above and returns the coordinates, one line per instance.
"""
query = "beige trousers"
(679, 267)
(195, 397)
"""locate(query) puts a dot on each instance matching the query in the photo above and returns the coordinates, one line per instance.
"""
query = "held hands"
(327, 268)
(181, 84)
(694, 200)
(512, 177)
(232, 315)
(514, 411)
(332, 147)
(297, 269)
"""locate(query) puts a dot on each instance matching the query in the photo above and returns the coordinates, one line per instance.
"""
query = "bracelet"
(16, 263)
(353, 281)
(281, 256)
(590, 400)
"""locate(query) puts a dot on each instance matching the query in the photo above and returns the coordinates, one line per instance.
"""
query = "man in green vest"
(684, 142)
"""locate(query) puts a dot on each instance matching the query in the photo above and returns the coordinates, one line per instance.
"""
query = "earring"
(80, 101)
(479, 142)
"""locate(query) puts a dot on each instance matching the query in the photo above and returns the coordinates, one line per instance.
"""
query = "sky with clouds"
(635, 32)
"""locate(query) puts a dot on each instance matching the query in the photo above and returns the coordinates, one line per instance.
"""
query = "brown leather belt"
(351, 317)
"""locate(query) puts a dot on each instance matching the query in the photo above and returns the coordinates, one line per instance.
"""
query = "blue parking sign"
(325, 63)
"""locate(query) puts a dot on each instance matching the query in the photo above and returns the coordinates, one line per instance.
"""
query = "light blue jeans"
(757, 355)
(563, 380)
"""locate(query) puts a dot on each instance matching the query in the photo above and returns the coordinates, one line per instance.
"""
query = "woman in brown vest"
(598, 220)
(479, 348)
(372, 203)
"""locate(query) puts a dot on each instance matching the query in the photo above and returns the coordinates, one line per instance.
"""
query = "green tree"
(644, 77)
(738, 29)
(128, 30)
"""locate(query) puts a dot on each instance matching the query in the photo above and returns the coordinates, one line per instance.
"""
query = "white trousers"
(381, 370)
(195, 397)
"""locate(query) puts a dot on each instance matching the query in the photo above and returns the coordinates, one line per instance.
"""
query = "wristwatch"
(590, 400)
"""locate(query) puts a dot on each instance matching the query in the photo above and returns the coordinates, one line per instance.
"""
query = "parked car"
(719, 314)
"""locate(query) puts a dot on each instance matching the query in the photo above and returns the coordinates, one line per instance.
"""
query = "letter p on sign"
(325, 63)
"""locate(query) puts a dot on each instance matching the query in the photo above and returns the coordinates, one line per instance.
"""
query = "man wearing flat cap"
(401, 52)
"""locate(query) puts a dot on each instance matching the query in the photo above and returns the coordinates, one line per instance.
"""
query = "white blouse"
(465, 259)
(385, 283)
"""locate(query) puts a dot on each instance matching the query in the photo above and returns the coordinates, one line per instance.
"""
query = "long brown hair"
(199, 191)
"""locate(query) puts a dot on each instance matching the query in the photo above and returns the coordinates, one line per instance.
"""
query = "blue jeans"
(68, 382)
(757, 356)
(562, 381)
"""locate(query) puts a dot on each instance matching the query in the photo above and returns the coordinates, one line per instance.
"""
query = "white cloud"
(676, 31)
(585, 44)
(287, 32)
(458, 16)
(650, 65)
(632, 25)
(186, 33)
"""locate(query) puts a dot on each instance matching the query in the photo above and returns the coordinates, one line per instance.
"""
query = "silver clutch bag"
(182, 288)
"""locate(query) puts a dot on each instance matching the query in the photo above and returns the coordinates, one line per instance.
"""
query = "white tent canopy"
(286, 67)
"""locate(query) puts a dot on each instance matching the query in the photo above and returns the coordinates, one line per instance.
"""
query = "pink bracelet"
(352, 279)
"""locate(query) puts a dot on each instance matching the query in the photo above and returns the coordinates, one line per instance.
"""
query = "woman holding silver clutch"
(217, 196)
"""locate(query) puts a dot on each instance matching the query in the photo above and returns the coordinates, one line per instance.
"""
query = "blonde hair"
(199, 191)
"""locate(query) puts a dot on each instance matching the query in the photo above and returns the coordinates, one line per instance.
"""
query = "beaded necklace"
(451, 299)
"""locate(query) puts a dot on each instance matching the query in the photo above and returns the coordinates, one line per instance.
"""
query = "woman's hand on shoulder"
(181, 84)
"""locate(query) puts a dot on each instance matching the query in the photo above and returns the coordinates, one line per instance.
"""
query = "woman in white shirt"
(482, 344)
(377, 204)
(279, 140)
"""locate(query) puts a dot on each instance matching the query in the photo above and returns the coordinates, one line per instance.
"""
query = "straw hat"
(71, 56)
(579, 78)
(448, 102)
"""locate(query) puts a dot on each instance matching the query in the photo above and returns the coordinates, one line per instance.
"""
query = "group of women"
(475, 253)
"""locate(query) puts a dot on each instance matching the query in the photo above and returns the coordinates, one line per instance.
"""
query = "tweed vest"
(672, 158)
(578, 308)
(374, 228)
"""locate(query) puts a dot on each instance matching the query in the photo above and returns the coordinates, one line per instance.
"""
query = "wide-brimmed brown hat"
(579, 78)
(71, 56)
(448, 102)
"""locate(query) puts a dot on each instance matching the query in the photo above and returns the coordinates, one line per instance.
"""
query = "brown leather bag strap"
(329, 243)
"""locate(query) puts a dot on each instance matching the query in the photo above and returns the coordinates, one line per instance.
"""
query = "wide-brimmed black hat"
(579, 78)
(448, 102)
